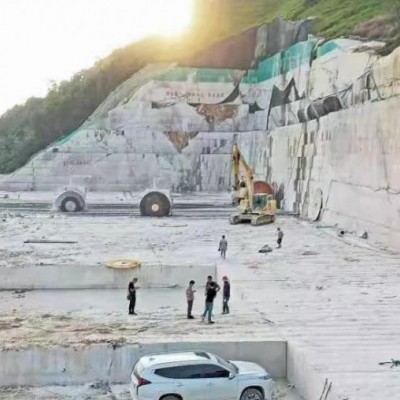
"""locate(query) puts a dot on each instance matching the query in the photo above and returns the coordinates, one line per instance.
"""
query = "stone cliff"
(319, 120)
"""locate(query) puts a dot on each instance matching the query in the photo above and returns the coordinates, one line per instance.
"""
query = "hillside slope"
(26, 129)
(333, 17)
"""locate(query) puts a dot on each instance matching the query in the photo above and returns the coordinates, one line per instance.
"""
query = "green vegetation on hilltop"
(26, 129)
(334, 18)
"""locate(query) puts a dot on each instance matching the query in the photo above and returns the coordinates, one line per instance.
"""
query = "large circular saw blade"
(315, 207)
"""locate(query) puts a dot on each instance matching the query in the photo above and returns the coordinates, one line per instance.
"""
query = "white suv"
(198, 376)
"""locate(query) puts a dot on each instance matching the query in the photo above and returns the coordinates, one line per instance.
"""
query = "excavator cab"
(264, 203)
(261, 201)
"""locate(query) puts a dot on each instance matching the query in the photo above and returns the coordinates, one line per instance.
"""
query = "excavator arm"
(242, 170)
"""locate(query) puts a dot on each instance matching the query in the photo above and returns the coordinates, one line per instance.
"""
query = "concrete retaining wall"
(101, 277)
(69, 366)
(309, 382)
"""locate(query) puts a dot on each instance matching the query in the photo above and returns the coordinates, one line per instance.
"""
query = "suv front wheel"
(170, 397)
(252, 394)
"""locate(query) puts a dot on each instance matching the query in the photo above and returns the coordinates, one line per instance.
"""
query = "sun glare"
(173, 17)
(50, 40)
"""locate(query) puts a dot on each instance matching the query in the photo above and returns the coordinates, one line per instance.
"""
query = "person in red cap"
(226, 291)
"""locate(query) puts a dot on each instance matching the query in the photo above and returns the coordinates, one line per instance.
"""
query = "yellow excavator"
(255, 198)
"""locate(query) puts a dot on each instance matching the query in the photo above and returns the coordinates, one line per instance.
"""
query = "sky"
(49, 40)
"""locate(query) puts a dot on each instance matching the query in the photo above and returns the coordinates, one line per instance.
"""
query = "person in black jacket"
(209, 280)
(132, 296)
(226, 292)
(280, 238)
(210, 296)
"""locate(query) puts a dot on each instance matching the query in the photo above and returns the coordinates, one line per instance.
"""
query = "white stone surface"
(334, 298)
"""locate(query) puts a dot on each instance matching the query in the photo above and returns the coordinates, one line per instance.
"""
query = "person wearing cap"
(226, 291)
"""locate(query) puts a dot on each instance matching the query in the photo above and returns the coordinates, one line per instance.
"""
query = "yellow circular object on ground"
(123, 264)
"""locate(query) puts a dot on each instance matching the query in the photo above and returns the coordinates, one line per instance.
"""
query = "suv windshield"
(227, 364)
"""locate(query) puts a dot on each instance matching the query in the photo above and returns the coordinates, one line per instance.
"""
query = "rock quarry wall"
(318, 119)
(342, 167)
(175, 126)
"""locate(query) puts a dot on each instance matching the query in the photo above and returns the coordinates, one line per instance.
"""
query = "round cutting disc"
(315, 207)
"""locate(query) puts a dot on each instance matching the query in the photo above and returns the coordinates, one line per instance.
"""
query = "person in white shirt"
(190, 299)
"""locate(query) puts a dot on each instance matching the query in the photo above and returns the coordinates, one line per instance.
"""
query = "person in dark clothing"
(223, 247)
(132, 296)
(280, 238)
(210, 296)
(209, 281)
(226, 291)
(190, 298)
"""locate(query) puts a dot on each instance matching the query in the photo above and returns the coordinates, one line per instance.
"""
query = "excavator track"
(262, 219)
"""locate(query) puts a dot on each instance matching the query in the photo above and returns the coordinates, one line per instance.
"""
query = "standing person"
(210, 296)
(190, 298)
(280, 238)
(226, 295)
(223, 246)
(132, 295)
